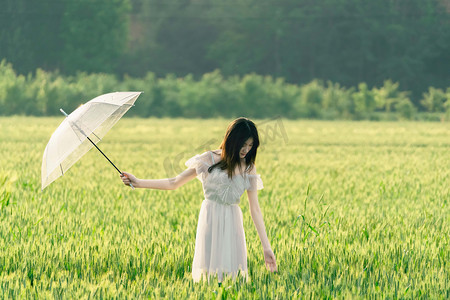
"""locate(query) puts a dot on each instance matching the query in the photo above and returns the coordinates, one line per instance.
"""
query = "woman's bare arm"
(257, 217)
(159, 184)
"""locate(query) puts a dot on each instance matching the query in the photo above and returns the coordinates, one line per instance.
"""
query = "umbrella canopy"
(81, 130)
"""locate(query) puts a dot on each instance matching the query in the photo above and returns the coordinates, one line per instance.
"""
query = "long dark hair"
(239, 131)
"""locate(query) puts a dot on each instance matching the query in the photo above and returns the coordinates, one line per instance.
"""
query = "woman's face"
(248, 144)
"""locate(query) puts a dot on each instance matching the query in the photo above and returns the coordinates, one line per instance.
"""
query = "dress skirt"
(220, 247)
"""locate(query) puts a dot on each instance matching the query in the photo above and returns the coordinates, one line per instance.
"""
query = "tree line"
(342, 41)
(214, 95)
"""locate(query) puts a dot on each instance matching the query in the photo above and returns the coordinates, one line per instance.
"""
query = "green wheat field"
(352, 210)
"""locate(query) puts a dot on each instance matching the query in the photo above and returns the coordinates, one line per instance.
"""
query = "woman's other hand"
(269, 258)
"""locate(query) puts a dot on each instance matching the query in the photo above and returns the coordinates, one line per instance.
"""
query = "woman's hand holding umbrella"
(129, 179)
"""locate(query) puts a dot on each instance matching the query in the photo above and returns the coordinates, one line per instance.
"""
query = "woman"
(225, 174)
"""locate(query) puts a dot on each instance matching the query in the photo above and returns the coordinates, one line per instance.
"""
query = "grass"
(352, 209)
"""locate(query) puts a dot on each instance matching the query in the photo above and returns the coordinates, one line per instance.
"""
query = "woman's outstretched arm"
(159, 184)
(257, 217)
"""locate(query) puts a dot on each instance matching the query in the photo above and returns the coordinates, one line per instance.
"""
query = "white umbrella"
(81, 130)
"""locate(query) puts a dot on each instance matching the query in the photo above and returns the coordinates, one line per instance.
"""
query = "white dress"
(220, 247)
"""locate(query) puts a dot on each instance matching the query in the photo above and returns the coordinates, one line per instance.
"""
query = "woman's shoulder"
(252, 169)
(217, 152)
(209, 156)
(208, 152)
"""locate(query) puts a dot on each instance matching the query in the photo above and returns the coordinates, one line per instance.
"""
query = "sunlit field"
(352, 209)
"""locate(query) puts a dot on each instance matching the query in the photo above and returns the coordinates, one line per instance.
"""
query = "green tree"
(95, 35)
(447, 104)
(12, 87)
(388, 95)
(312, 97)
(434, 100)
(29, 34)
(174, 38)
(405, 108)
(344, 41)
(364, 101)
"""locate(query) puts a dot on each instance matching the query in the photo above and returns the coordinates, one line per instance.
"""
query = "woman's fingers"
(270, 261)
(272, 266)
(125, 178)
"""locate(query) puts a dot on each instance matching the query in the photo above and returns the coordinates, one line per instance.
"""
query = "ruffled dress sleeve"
(198, 163)
(255, 182)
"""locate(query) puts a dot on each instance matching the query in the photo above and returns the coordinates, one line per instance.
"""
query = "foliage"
(346, 42)
(405, 108)
(434, 100)
(69, 36)
(364, 100)
(213, 95)
(95, 35)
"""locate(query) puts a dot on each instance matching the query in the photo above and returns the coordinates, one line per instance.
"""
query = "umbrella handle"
(120, 172)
